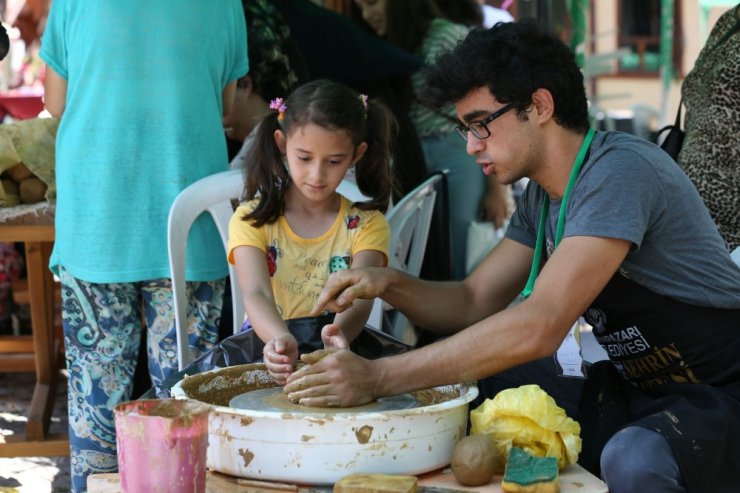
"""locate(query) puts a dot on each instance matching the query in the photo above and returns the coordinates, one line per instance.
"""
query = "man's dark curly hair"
(513, 60)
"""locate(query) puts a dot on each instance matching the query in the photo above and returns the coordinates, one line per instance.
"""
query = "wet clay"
(220, 386)
(273, 399)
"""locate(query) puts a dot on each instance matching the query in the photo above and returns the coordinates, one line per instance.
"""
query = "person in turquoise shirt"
(141, 88)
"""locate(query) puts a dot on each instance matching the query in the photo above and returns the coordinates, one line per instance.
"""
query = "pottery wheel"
(273, 399)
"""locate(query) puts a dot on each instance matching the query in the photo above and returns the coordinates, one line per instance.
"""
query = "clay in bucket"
(162, 445)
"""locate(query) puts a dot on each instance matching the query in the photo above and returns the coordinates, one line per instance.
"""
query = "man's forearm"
(437, 306)
(496, 343)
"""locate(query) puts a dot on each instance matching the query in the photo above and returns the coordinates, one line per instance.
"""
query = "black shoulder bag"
(674, 140)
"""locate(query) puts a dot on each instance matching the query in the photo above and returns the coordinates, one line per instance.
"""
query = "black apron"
(674, 369)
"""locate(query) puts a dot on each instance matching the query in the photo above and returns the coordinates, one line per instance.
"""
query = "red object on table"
(21, 104)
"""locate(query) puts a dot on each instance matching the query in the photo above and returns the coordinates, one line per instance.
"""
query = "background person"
(710, 154)
(357, 58)
(466, 12)
(418, 27)
(276, 68)
(141, 99)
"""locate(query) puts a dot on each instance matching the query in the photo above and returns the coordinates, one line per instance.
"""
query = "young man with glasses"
(610, 229)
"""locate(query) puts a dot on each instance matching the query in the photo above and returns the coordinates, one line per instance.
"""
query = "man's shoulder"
(623, 140)
(630, 150)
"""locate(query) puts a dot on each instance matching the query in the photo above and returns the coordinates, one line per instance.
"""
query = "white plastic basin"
(322, 447)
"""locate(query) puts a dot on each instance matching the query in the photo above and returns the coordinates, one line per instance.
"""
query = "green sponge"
(527, 473)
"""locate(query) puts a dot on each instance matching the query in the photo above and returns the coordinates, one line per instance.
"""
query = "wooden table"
(37, 352)
(574, 479)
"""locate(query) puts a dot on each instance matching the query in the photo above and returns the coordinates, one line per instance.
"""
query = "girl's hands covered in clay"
(280, 355)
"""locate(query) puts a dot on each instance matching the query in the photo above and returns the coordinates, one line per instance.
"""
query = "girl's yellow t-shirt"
(299, 266)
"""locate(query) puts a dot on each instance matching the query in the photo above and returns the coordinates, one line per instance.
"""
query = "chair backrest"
(213, 194)
(410, 220)
(349, 189)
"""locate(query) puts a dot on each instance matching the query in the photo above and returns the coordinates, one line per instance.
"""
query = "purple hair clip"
(278, 105)
(363, 99)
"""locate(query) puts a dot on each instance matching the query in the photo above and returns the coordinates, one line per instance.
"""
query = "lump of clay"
(474, 460)
(376, 483)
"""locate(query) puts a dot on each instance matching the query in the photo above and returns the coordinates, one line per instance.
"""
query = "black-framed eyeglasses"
(479, 128)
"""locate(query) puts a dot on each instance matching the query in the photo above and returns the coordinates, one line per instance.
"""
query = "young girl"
(294, 229)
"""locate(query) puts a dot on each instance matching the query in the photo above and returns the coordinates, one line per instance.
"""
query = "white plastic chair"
(736, 255)
(349, 189)
(213, 194)
(410, 220)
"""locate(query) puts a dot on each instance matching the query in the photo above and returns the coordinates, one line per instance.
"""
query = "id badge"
(568, 358)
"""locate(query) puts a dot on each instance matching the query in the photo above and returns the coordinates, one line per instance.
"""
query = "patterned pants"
(102, 331)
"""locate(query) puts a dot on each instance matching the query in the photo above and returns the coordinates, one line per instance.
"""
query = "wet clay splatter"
(247, 456)
(363, 434)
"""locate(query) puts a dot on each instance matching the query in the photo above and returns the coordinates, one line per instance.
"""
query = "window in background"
(639, 28)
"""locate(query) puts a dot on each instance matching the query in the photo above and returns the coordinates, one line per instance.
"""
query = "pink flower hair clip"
(278, 105)
(363, 99)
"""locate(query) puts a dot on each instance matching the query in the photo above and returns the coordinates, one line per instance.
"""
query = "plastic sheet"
(246, 347)
(528, 418)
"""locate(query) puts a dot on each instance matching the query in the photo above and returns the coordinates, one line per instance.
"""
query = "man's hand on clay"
(332, 378)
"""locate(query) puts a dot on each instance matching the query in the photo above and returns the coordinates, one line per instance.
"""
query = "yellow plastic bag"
(528, 418)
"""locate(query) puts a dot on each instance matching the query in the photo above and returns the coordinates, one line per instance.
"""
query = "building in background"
(627, 68)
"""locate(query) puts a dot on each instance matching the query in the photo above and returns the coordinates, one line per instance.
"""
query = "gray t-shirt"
(630, 189)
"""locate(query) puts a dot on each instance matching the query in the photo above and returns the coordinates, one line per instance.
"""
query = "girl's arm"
(281, 348)
(259, 302)
(353, 320)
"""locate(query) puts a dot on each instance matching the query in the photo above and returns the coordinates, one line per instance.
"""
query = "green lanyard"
(561, 215)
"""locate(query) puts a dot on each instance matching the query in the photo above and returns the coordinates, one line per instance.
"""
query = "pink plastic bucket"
(162, 445)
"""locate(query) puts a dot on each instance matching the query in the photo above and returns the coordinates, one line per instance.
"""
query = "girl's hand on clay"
(333, 337)
(280, 355)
